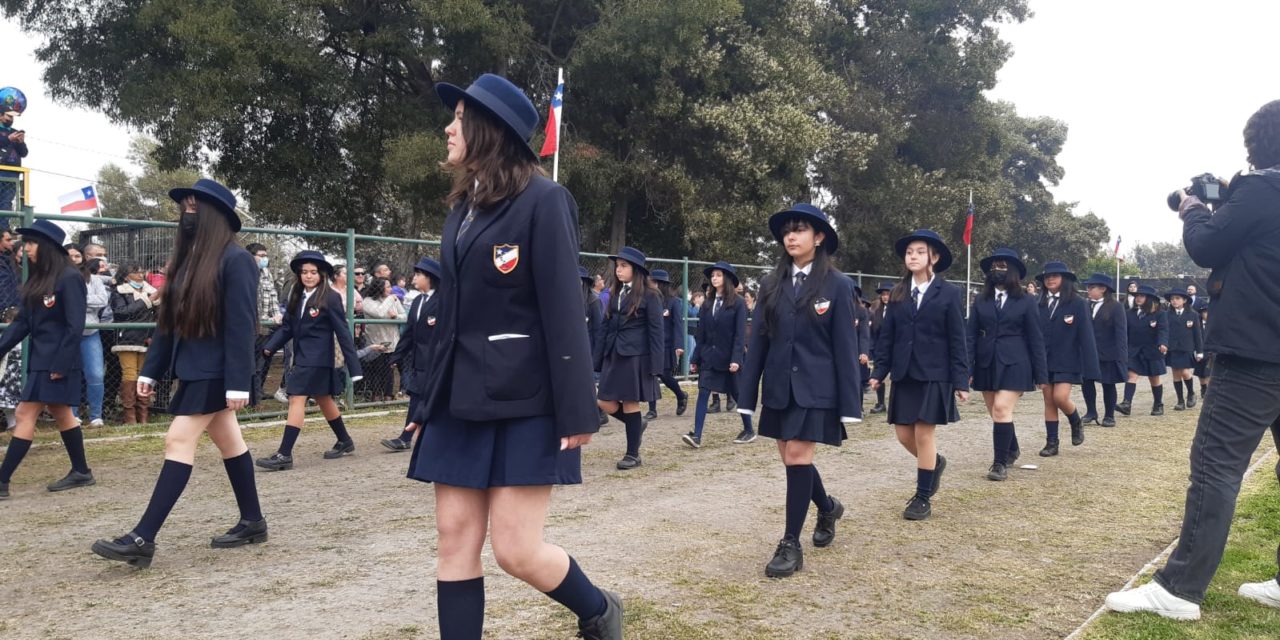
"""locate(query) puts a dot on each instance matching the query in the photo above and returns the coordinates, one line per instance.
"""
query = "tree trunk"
(618, 227)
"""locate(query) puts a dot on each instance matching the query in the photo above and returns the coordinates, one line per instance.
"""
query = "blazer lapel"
(483, 221)
(932, 292)
(449, 238)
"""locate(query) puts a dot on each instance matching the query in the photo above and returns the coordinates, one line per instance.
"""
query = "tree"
(145, 197)
(1166, 260)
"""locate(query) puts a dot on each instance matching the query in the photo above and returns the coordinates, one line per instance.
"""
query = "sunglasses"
(359, 273)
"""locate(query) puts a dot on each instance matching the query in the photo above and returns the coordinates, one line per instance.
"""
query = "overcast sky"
(1153, 91)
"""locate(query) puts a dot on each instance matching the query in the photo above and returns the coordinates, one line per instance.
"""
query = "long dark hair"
(316, 301)
(902, 290)
(1153, 304)
(730, 294)
(193, 296)
(43, 273)
(375, 288)
(497, 165)
(89, 268)
(640, 285)
(122, 274)
(1066, 292)
(1012, 286)
(667, 290)
(771, 288)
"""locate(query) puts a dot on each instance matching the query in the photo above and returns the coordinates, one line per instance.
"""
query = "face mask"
(135, 285)
(262, 263)
(998, 277)
(188, 224)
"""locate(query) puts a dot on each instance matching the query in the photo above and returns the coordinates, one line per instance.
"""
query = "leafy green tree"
(145, 197)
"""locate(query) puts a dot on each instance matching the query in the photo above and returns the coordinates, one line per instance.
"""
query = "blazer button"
(794, 369)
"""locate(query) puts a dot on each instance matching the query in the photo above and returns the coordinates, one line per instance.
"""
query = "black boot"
(606, 626)
(130, 548)
(825, 530)
(243, 533)
(1050, 449)
(682, 403)
(1077, 430)
(787, 559)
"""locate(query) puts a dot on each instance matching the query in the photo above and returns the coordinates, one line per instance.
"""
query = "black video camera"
(1205, 186)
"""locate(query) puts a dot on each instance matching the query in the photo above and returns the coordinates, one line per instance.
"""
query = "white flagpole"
(1118, 274)
(968, 278)
(555, 161)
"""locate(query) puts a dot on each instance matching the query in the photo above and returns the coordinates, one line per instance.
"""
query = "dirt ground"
(684, 539)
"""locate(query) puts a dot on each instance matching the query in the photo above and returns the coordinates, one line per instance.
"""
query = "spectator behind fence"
(397, 288)
(92, 250)
(9, 275)
(11, 384)
(97, 299)
(268, 314)
(133, 300)
(156, 277)
(380, 304)
(74, 252)
(13, 148)
(339, 284)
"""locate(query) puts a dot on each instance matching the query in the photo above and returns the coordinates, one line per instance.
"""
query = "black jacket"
(721, 338)
(1111, 332)
(1012, 335)
(594, 311)
(673, 322)
(55, 326)
(128, 307)
(417, 338)
(1147, 334)
(862, 322)
(313, 331)
(877, 321)
(1184, 331)
(1241, 243)
(929, 343)
(638, 334)
(1069, 345)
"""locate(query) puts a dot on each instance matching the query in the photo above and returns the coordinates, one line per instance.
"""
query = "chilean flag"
(552, 142)
(85, 199)
(1117, 251)
(968, 227)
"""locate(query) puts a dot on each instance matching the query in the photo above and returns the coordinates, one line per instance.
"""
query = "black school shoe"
(787, 559)
(879, 408)
(1191, 400)
(277, 462)
(918, 509)
(1157, 410)
(1181, 406)
(245, 532)
(714, 405)
(731, 405)
(1012, 457)
(628, 463)
(1089, 417)
(682, 404)
(1050, 449)
(340, 448)
(651, 415)
(692, 440)
(998, 472)
(1108, 421)
(129, 548)
(604, 418)
(396, 444)
(1125, 408)
(4, 490)
(745, 436)
(606, 626)
(1077, 435)
(825, 530)
(73, 480)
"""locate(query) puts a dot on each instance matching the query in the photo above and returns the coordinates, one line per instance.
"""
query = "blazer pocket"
(511, 370)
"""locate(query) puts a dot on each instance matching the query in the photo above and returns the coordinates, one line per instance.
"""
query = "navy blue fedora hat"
(214, 193)
(811, 214)
(1101, 279)
(584, 275)
(501, 99)
(46, 229)
(660, 275)
(931, 237)
(726, 268)
(1050, 268)
(1147, 290)
(427, 265)
(1008, 255)
(634, 256)
(884, 286)
(1177, 292)
(314, 257)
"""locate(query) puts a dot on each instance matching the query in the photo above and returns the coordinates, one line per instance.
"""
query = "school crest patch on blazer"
(313, 312)
(1191, 323)
(1153, 324)
(666, 313)
(50, 300)
(1069, 319)
(821, 305)
(506, 257)
(431, 321)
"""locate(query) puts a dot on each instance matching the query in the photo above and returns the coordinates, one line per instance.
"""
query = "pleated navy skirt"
(626, 379)
(1004, 377)
(1112, 372)
(1181, 359)
(495, 453)
(1144, 366)
(198, 397)
(798, 423)
(1067, 377)
(717, 381)
(65, 390)
(315, 381)
(912, 401)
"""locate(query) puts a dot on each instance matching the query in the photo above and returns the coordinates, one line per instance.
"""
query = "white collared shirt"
(922, 288)
(306, 295)
(426, 297)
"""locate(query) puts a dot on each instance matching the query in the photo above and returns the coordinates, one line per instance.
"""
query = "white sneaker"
(281, 396)
(1153, 597)
(1267, 593)
(96, 423)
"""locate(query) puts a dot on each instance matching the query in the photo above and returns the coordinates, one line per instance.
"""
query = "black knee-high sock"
(635, 432)
(288, 439)
(407, 436)
(240, 473)
(1051, 430)
(880, 394)
(578, 595)
(1157, 392)
(820, 498)
(1002, 441)
(1204, 387)
(1177, 387)
(1090, 397)
(1109, 400)
(799, 494)
(169, 486)
(1190, 384)
(746, 421)
(339, 429)
(618, 415)
(1129, 389)
(73, 440)
(653, 406)
(18, 448)
(460, 606)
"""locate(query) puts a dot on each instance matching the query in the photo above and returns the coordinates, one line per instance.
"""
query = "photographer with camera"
(1240, 241)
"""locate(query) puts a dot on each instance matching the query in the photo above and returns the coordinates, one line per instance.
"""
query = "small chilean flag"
(1117, 251)
(968, 227)
(85, 199)
(552, 143)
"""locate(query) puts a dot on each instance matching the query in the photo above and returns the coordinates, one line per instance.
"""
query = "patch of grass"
(1250, 557)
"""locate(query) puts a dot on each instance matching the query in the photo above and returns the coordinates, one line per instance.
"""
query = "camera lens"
(1174, 200)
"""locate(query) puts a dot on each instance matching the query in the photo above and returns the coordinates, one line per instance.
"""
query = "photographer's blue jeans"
(1243, 403)
(94, 370)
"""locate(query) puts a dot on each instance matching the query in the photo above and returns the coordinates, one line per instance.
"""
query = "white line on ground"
(1150, 566)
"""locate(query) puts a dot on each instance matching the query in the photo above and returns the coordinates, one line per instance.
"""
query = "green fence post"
(684, 322)
(351, 307)
(28, 217)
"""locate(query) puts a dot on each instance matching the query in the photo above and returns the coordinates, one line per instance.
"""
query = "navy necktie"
(466, 224)
(915, 300)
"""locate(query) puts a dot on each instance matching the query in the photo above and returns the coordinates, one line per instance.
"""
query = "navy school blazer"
(55, 325)
(862, 320)
(228, 354)
(634, 335)
(1111, 332)
(1147, 333)
(1185, 333)
(721, 338)
(673, 321)
(313, 331)
(877, 321)
(1009, 336)
(594, 310)
(1068, 336)
(811, 353)
(931, 345)
(503, 347)
(413, 352)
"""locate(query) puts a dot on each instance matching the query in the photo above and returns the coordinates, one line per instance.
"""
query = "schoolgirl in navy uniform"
(1070, 349)
(1111, 333)
(204, 337)
(1005, 350)
(878, 310)
(1203, 365)
(593, 309)
(52, 314)
(862, 323)
(314, 319)
(1148, 343)
(718, 356)
(509, 400)
(803, 344)
(672, 323)
(413, 352)
(1186, 346)
(630, 351)
(922, 344)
